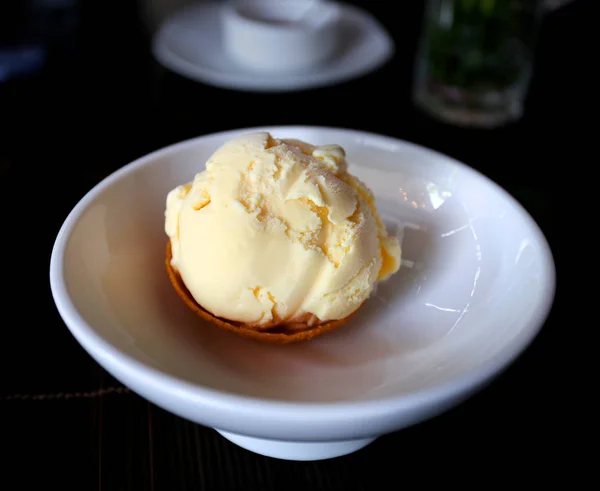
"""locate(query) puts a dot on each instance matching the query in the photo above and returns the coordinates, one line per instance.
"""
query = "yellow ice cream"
(277, 231)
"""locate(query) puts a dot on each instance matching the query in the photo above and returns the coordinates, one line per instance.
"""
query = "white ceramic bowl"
(280, 35)
(476, 285)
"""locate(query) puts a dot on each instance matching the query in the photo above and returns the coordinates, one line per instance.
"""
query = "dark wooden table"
(101, 102)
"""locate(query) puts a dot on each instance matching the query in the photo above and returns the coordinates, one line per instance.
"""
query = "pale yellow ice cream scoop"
(275, 232)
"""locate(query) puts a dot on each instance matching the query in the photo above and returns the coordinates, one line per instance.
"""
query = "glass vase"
(475, 60)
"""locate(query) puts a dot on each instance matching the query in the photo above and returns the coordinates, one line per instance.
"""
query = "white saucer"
(189, 43)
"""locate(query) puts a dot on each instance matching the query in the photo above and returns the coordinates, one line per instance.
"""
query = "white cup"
(280, 35)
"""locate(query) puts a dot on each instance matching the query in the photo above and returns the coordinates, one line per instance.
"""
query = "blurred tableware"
(280, 36)
(190, 43)
(475, 60)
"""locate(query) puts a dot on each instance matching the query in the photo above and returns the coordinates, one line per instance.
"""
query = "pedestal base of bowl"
(296, 450)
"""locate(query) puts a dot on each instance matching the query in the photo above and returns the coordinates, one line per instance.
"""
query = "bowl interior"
(475, 284)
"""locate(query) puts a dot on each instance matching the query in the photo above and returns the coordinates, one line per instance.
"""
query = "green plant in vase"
(475, 52)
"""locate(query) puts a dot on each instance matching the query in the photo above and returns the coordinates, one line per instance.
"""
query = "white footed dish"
(476, 285)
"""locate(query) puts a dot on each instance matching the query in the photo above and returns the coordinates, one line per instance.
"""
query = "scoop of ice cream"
(277, 232)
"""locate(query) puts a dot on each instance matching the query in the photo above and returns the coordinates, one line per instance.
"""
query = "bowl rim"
(295, 411)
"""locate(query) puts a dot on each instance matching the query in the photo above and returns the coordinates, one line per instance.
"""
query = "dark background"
(99, 101)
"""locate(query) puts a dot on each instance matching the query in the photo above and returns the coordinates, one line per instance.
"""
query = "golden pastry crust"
(278, 335)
